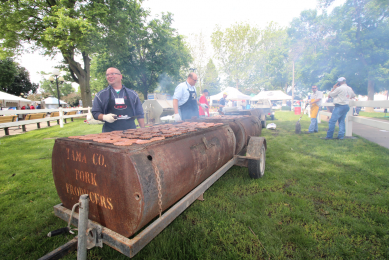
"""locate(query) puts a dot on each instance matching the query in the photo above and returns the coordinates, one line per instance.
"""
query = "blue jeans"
(338, 115)
(313, 126)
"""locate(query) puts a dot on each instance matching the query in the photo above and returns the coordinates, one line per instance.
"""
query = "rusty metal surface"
(121, 180)
(243, 127)
(259, 113)
(130, 247)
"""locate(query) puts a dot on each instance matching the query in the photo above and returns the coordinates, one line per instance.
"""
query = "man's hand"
(177, 118)
(110, 118)
(204, 106)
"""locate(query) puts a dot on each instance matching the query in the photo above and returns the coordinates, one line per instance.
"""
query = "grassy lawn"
(375, 114)
(318, 199)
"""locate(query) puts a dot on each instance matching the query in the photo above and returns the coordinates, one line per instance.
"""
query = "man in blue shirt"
(185, 101)
(117, 105)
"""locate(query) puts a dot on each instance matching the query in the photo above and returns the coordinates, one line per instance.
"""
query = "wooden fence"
(60, 118)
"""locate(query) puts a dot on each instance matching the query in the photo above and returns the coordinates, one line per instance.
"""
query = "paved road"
(372, 134)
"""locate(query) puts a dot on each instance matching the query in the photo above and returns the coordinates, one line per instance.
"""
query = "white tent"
(271, 95)
(52, 102)
(232, 94)
(9, 100)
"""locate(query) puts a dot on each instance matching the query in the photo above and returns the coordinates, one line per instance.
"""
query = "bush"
(287, 108)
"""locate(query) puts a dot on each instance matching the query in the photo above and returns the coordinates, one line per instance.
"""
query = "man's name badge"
(119, 101)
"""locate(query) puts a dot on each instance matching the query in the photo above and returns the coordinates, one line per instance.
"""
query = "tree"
(211, 78)
(15, 79)
(350, 42)
(65, 88)
(8, 71)
(272, 69)
(72, 99)
(198, 52)
(149, 51)
(236, 49)
(69, 27)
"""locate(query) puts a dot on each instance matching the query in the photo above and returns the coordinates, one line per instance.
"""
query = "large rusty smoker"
(131, 177)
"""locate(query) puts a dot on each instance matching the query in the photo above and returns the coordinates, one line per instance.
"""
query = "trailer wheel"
(257, 167)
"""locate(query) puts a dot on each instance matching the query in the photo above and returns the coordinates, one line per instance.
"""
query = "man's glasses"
(112, 74)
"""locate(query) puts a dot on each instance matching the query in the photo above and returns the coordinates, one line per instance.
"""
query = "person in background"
(32, 106)
(117, 105)
(356, 110)
(342, 95)
(315, 103)
(38, 106)
(222, 103)
(203, 100)
(185, 102)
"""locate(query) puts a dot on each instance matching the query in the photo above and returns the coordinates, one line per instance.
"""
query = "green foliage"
(51, 88)
(273, 68)
(8, 71)
(211, 78)
(148, 51)
(68, 27)
(72, 99)
(352, 42)
(15, 79)
(236, 48)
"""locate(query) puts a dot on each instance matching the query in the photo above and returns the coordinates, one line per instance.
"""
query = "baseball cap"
(341, 79)
(225, 93)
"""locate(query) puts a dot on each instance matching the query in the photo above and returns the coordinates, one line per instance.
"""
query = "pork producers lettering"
(93, 196)
(97, 159)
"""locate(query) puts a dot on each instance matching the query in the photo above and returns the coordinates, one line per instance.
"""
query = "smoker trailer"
(122, 180)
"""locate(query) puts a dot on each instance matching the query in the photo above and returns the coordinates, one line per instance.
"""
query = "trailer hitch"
(89, 235)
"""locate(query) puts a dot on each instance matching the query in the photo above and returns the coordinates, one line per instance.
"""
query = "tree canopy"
(15, 79)
(211, 78)
(352, 41)
(69, 27)
(150, 50)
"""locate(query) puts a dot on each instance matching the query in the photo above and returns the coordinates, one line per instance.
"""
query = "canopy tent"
(271, 95)
(232, 94)
(9, 100)
(52, 102)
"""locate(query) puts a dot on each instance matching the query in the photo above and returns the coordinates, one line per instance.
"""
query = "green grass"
(380, 115)
(318, 199)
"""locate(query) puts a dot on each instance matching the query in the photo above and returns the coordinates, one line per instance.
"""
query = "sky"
(200, 16)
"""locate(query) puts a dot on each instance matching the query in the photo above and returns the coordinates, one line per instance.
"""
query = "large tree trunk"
(370, 95)
(81, 76)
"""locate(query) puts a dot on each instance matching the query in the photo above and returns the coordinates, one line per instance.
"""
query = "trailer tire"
(257, 167)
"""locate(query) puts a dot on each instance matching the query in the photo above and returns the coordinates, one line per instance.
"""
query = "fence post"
(60, 117)
(349, 120)
(89, 115)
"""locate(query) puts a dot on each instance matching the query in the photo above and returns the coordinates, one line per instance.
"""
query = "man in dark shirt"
(117, 105)
(222, 103)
